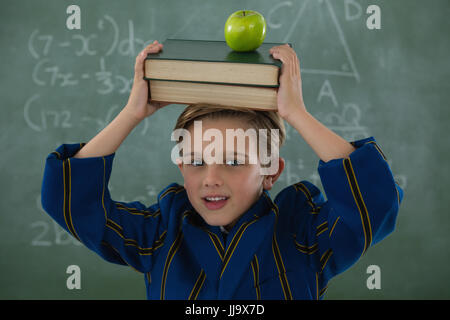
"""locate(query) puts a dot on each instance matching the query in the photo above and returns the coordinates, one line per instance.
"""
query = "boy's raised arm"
(137, 108)
(325, 143)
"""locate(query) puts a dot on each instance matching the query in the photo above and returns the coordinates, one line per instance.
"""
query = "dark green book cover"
(213, 51)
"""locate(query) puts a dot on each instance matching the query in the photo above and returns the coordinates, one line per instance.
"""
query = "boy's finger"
(284, 54)
(279, 55)
(152, 44)
(143, 54)
(152, 48)
(274, 49)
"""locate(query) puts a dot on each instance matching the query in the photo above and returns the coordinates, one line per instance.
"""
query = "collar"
(224, 262)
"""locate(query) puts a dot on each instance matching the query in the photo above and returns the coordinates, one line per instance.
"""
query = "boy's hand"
(290, 97)
(139, 106)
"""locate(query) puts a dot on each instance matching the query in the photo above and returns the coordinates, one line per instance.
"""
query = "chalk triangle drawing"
(317, 37)
(310, 25)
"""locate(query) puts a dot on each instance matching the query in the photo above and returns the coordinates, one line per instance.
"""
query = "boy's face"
(241, 183)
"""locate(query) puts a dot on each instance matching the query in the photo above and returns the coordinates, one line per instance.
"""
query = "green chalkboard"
(61, 85)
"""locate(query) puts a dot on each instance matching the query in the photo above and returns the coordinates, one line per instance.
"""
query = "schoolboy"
(221, 236)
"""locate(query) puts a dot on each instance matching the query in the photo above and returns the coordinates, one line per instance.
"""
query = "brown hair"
(257, 119)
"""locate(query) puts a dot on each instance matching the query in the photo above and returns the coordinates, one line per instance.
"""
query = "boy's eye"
(196, 163)
(233, 162)
(230, 162)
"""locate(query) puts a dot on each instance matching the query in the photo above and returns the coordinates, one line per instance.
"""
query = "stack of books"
(198, 71)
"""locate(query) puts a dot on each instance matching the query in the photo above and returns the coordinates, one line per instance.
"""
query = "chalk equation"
(41, 117)
(41, 45)
(48, 72)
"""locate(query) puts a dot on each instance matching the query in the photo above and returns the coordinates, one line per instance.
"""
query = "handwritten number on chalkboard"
(38, 241)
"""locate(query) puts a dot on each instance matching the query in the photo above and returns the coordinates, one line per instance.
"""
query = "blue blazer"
(286, 248)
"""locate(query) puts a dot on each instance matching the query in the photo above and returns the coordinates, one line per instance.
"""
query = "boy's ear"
(180, 166)
(269, 180)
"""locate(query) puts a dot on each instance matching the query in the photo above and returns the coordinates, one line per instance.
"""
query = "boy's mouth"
(215, 202)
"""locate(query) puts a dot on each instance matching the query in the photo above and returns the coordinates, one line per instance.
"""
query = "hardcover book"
(194, 71)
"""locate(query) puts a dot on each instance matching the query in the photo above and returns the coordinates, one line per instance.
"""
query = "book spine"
(207, 72)
(228, 95)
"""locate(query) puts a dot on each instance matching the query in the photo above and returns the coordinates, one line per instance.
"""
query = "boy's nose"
(213, 176)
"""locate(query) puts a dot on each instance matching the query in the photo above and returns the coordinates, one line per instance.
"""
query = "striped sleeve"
(363, 202)
(361, 209)
(75, 194)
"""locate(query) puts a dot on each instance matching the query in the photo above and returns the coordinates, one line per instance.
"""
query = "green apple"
(245, 30)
